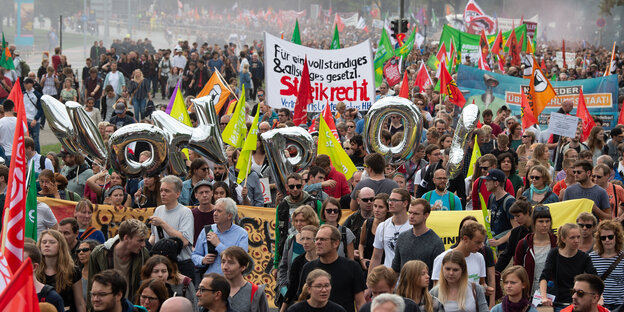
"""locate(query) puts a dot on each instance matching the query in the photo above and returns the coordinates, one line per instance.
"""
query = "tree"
(607, 5)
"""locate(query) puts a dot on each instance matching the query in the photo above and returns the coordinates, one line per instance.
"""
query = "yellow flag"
(476, 153)
(250, 145)
(235, 131)
(176, 107)
(328, 145)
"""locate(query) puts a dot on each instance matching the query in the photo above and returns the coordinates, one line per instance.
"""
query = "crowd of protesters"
(320, 263)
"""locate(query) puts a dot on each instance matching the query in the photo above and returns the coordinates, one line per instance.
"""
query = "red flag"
(404, 93)
(329, 120)
(565, 65)
(512, 43)
(441, 52)
(479, 125)
(497, 46)
(586, 118)
(20, 293)
(422, 78)
(449, 87)
(501, 64)
(528, 118)
(542, 64)
(339, 23)
(483, 65)
(304, 97)
(13, 225)
(17, 97)
(621, 118)
(484, 45)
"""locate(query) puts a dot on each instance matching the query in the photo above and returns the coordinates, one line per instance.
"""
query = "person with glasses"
(283, 115)
(607, 259)
(108, 292)
(587, 223)
(568, 170)
(354, 222)
(423, 180)
(441, 198)
(245, 296)
(225, 119)
(199, 171)
(486, 163)
(331, 214)
(601, 176)
(587, 294)
(385, 241)
(307, 235)
(316, 294)
(358, 150)
(283, 224)
(152, 294)
(525, 150)
(369, 228)
(213, 293)
(84, 252)
(585, 188)
(347, 281)
(540, 192)
(562, 265)
(421, 243)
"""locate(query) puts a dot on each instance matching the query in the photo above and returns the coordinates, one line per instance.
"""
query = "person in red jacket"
(341, 186)
(586, 294)
(487, 162)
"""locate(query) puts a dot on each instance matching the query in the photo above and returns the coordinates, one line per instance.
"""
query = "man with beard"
(586, 294)
(585, 188)
(296, 197)
(441, 198)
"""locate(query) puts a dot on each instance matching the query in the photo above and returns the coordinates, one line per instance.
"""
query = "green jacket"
(102, 259)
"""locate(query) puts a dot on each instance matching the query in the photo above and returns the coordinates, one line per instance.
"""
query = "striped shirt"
(615, 281)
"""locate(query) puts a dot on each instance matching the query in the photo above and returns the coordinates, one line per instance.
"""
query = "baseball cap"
(29, 80)
(202, 183)
(495, 175)
(120, 108)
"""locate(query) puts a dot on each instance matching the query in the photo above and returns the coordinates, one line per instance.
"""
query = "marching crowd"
(383, 257)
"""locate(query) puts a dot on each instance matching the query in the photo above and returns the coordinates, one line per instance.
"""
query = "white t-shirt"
(113, 80)
(47, 164)
(181, 219)
(30, 104)
(474, 262)
(7, 132)
(386, 236)
(45, 218)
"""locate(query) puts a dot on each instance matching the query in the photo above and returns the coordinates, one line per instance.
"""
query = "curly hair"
(609, 225)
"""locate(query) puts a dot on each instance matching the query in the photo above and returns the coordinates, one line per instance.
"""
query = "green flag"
(384, 53)
(296, 37)
(31, 206)
(407, 46)
(4, 42)
(335, 44)
(6, 60)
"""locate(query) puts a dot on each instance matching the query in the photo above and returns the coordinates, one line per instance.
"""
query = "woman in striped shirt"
(608, 244)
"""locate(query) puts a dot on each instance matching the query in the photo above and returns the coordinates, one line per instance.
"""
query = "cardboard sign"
(564, 125)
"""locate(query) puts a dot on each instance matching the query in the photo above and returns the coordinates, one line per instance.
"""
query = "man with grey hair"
(176, 304)
(173, 219)
(215, 238)
(609, 162)
(388, 303)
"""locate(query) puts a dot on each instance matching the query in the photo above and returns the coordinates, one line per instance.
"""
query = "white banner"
(343, 75)
(570, 59)
(563, 125)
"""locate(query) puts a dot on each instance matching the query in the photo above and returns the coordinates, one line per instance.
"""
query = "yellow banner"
(260, 224)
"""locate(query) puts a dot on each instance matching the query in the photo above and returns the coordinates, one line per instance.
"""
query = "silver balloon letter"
(88, 137)
(60, 123)
(118, 152)
(465, 125)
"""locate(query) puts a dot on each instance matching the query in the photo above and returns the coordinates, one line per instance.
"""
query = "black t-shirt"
(562, 271)
(49, 295)
(346, 280)
(67, 294)
(303, 306)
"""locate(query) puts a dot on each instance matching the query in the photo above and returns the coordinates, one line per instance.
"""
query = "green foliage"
(606, 5)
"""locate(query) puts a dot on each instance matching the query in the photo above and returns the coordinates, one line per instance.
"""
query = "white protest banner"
(570, 59)
(342, 75)
(266, 190)
(564, 125)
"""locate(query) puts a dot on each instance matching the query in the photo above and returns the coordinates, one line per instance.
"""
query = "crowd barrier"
(260, 224)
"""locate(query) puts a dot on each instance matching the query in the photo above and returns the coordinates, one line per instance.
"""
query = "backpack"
(451, 200)
(24, 68)
(44, 292)
(42, 163)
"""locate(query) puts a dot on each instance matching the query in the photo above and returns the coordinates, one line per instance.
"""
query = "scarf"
(538, 191)
(519, 306)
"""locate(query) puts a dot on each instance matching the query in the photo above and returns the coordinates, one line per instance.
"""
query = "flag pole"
(248, 168)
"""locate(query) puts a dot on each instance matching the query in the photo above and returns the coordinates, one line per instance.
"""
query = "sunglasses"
(579, 293)
(350, 127)
(535, 178)
(205, 169)
(595, 176)
(587, 226)
(224, 123)
(332, 211)
(293, 186)
(577, 171)
(541, 208)
(83, 249)
(484, 168)
(367, 200)
(605, 237)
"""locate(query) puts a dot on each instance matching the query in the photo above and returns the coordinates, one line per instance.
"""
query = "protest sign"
(564, 125)
(259, 222)
(341, 75)
(570, 59)
(266, 190)
(492, 90)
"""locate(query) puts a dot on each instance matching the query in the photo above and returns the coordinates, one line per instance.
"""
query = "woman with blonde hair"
(562, 265)
(413, 284)
(454, 291)
(539, 191)
(315, 294)
(525, 149)
(369, 228)
(331, 214)
(596, 142)
(515, 283)
(68, 93)
(607, 259)
(542, 155)
(139, 90)
(58, 270)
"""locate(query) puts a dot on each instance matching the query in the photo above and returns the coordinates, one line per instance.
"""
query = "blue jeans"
(139, 108)
(33, 131)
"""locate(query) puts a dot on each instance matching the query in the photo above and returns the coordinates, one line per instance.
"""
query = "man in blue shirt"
(441, 198)
(220, 235)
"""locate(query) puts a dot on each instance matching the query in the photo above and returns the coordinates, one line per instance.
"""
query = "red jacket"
(525, 256)
(342, 186)
(570, 308)
(476, 203)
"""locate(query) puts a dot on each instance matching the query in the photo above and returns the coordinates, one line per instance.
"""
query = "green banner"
(468, 44)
